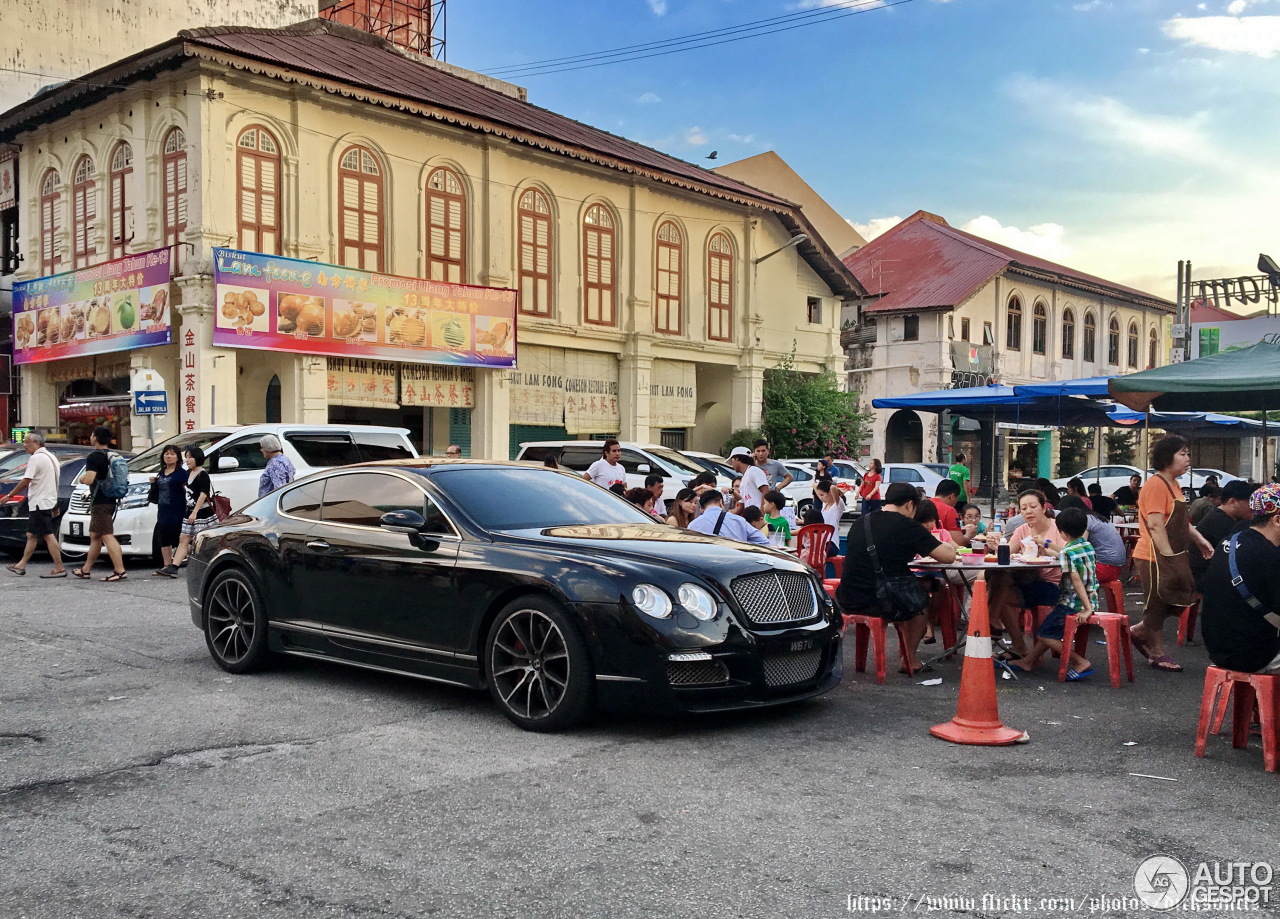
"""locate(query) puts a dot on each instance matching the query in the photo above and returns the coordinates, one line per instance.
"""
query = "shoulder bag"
(1237, 581)
(901, 597)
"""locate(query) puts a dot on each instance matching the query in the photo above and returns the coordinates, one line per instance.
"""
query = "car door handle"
(319, 545)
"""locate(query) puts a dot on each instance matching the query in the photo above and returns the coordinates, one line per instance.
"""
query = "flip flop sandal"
(16, 570)
(1140, 645)
(1073, 675)
(1166, 663)
(116, 576)
(54, 574)
(82, 574)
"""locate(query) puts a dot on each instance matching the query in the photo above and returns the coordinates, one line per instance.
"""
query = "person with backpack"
(107, 475)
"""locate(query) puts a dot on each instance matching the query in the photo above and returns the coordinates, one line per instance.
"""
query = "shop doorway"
(85, 404)
(904, 438)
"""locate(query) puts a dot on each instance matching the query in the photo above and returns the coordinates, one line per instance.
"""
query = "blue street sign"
(151, 403)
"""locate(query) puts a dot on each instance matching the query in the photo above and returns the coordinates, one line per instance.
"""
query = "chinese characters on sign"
(189, 382)
(437, 387)
(371, 384)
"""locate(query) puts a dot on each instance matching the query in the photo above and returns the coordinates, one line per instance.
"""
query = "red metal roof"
(923, 263)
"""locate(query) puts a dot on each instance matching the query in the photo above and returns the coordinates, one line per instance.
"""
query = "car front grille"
(79, 502)
(775, 597)
(697, 673)
(792, 667)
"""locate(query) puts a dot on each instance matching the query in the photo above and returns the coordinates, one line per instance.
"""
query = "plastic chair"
(837, 565)
(1114, 592)
(811, 545)
(876, 630)
(1249, 692)
(1032, 619)
(1187, 623)
(1116, 627)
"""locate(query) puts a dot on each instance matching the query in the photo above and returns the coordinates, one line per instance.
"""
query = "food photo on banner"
(283, 304)
(116, 306)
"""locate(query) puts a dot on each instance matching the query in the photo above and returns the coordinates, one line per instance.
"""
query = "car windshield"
(674, 459)
(149, 460)
(12, 463)
(514, 498)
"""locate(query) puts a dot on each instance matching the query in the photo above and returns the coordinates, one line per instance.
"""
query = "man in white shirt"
(755, 483)
(41, 484)
(607, 471)
(716, 521)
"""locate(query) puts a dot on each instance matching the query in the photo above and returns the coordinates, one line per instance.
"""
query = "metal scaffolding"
(415, 25)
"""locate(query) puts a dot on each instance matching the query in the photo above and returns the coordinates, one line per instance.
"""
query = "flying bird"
(713, 154)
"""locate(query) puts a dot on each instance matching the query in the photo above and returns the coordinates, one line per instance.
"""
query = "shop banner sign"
(365, 384)
(115, 306)
(537, 387)
(438, 387)
(591, 393)
(282, 304)
(673, 394)
(8, 181)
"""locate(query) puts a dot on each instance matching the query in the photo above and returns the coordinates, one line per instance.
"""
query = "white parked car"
(1111, 478)
(922, 475)
(640, 461)
(846, 469)
(1196, 478)
(234, 461)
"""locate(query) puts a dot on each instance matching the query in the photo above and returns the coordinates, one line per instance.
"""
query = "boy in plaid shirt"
(1079, 596)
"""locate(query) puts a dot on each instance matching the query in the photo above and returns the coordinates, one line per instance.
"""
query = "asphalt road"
(139, 780)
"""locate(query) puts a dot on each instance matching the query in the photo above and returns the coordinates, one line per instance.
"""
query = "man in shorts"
(102, 510)
(41, 485)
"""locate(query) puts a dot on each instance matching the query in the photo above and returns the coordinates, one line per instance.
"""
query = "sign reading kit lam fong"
(283, 304)
(116, 306)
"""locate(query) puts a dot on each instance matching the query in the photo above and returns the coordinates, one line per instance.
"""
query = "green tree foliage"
(1073, 450)
(807, 414)
(743, 437)
(1120, 447)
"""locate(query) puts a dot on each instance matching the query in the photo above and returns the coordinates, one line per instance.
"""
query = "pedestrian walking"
(869, 490)
(200, 514)
(170, 500)
(607, 471)
(279, 471)
(102, 509)
(41, 486)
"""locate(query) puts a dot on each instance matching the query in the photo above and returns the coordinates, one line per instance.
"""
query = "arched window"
(84, 213)
(1068, 334)
(1013, 327)
(274, 402)
(258, 191)
(534, 218)
(1039, 329)
(599, 275)
(1133, 345)
(360, 210)
(50, 225)
(1090, 344)
(175, 186)
(669, 263)
(446, 227)
(1113, 341)
(1153, 348)
(121, 226)
(720, 288)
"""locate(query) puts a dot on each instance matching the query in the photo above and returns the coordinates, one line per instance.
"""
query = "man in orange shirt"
(1166, 536)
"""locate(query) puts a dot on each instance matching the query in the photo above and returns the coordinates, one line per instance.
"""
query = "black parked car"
(13, 517)
(553, 593)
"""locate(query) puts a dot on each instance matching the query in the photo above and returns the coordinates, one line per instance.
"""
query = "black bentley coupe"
(555, 594)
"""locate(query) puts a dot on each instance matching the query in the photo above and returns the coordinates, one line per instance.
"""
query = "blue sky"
(1116, 136)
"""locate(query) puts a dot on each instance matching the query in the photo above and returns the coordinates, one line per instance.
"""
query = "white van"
(640, 461)
(234, 461)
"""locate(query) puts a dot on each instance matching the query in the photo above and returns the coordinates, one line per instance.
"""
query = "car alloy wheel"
(235, 626)
(538, 666)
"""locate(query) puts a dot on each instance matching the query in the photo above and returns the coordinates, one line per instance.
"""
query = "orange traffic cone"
(977, 719)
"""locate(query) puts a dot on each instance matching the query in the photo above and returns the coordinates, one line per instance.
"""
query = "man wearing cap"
(1241, 608)
(1231, 516)
(755, 483)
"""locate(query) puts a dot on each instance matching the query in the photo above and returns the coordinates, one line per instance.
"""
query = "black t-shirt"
(1236, 636)
(97, 462)
(898, 540)
(1103, 506)
(1215, 526)
(1126, 496)
(197, 485)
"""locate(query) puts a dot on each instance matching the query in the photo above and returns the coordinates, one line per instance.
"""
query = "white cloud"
(1256, 35)
(694, 137)
(649, 99)
(658, 7)
(1109, 121)
(743, 138)
(1089, 6)
(875, 226)
(1046, 240)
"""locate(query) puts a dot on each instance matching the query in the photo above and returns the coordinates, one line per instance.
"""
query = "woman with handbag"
(877, 580)
(1160, 557)
(200, 513)
(168, 496)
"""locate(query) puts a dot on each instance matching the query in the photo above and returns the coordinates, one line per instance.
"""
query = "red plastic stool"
(837, 565)
(1187, 623)
(1032, 619)
(1116, 627)
(948, 605)
(875, 629)
(1115, 597)
(1250, 692)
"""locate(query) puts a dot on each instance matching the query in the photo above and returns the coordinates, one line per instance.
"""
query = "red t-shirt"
(947, 517)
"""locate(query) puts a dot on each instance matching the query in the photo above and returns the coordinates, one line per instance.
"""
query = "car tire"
(235, 622)
(538, 667)
(802, 508)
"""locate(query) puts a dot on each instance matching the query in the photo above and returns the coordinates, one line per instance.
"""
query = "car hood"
(658, 542)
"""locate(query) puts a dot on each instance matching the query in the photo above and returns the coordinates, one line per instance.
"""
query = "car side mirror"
(643, 467)
(408, 522)
(227, 463)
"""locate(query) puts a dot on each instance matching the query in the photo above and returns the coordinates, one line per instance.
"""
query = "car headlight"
(652, 601)
(136, 496)
(697, 601)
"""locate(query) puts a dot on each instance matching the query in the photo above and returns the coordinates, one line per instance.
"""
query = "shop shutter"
(524, 433)
(460, 429)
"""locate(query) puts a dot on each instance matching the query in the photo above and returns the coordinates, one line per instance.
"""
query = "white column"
(635, 373)
(491, 417)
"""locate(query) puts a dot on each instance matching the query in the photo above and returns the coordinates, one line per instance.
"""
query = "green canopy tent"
(1242, 380)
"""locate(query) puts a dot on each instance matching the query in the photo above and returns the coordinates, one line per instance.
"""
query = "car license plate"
(77, 529)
